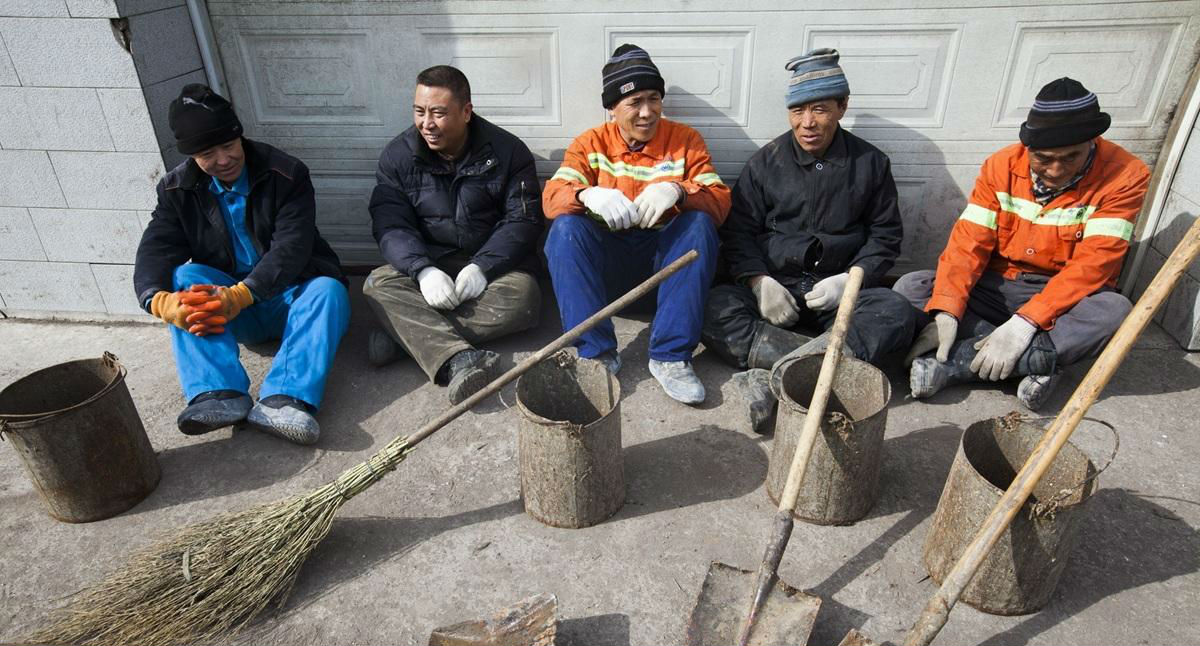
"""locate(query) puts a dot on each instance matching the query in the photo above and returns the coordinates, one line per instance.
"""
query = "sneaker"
(611, 360)
(753, 401)
(212, 410)
(679, 380)
(468, 372)
(927, 376)
(285, 417)
(382, 349)
(1035, 390)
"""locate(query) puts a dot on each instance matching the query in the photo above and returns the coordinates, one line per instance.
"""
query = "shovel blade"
(786, 617)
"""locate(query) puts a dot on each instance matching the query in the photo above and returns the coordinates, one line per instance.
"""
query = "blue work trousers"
(590, 266)
(310, 317)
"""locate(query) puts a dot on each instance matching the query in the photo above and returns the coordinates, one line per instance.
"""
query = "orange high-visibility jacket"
(600, 157)
(1079, 238)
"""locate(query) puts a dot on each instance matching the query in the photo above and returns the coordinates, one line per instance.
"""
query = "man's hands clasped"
(620, 213)
(201, 309)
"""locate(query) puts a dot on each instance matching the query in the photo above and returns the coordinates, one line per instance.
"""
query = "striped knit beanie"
(1064, 114)
(629, 70)
(815, 76)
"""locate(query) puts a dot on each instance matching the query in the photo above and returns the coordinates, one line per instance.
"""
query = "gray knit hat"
(815, 76)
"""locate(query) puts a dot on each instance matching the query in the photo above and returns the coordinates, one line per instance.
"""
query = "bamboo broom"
(205, 582)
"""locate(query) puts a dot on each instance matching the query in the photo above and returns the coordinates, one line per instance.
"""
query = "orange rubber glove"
(232, 299)
(205, 317)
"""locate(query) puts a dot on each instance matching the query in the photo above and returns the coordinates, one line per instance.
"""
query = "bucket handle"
(1047, 510)
(109, 359)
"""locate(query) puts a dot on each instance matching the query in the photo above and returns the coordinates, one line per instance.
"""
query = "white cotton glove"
(939, 334)
(611, 205)
(469, 283)
(775, 302)
(827, 292)
(1000, 350)
(437, 288)
(654, 200)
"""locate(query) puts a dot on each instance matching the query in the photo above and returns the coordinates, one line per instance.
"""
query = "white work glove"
(775, 302)
(939, 334)
(654, 200)
(611, 205)
(826, 293)
(437, 288)
(469, 283)
(1000, 350)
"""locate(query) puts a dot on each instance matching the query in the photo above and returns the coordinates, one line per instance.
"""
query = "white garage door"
(937, 87)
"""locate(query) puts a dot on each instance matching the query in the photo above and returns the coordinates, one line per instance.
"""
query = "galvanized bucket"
(1020, 573)
(841, 481)
(80, 439)
(572, 469)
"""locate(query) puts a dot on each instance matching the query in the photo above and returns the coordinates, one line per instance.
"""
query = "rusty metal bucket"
(569, 442)
(841, 484)
(1020, 573)
(79, 436)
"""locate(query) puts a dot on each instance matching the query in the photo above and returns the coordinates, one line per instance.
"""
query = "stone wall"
(80, 151)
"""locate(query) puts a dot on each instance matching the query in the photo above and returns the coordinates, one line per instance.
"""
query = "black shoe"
(382, 349)
(212, 410)
(467, 372)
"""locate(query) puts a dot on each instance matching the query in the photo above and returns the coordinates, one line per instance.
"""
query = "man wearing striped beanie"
(809, 205)
(632, 196)
(1027, 282)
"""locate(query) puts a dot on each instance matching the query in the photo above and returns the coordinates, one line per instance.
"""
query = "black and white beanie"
(629, 70)
(1064, 114)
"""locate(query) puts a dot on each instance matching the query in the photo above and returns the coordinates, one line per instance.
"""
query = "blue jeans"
(310, 318)
(591, 266)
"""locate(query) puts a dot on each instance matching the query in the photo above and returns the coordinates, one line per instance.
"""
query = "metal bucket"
(79, 436)
(841, 481)
(572, 471)
(1020, 573)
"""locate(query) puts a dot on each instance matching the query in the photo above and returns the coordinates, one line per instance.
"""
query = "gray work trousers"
(1078, 334)
(511, 303)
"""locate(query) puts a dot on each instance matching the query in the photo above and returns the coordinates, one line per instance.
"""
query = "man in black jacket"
(243, 214)
(809, 205)
(457, 214)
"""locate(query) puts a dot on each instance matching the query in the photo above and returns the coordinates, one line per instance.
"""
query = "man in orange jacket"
(1026, 282)
(630, 197)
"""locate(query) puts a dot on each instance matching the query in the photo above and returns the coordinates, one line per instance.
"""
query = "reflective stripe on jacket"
(1079, 238)
(600, 157)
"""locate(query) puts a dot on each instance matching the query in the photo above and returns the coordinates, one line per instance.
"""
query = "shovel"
(777, 613)
(937, 611)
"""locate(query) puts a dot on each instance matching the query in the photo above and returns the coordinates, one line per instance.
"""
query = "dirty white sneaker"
(285, 417)
(753, 402)
(1035, 390)
(611, 360)
(679, 380)
(927, 376)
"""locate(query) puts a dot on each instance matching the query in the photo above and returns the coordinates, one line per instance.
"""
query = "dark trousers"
(511, 303)
(883, 322)
(591, 266)
(1078, 334)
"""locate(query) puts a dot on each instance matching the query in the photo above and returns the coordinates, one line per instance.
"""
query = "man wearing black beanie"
(232, 254)
(1026, 283)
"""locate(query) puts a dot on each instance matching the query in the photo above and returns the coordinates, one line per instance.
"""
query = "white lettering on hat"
(627, 88)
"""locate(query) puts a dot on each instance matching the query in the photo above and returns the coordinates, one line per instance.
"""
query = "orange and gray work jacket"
(1079, 238)
(600, 157)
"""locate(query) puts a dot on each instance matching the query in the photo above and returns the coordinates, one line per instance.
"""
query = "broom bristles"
(207, 581)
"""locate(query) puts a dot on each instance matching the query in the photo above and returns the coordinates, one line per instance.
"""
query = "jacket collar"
(656, 148)
(478, 143)
(259, 164)
(837, 153)
(1019, 164)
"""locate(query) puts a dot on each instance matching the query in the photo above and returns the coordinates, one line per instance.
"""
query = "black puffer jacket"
(488, 205)
(188, 225)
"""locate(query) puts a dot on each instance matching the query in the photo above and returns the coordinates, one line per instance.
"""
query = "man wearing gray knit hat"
(809, 205)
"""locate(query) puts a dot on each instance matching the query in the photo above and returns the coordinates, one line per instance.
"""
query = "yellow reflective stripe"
(1115, 227)
(979, 215)
(708, 179)
(640, 173)
(1066, 217)
(1023, 208)
(568, 174)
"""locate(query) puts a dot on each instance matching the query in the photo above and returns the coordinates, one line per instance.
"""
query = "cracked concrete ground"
(444, 538)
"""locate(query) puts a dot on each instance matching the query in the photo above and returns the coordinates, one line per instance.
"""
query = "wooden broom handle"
(820, 396)
(937, 611)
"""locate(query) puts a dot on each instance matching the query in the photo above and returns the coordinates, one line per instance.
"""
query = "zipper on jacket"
(524, 208)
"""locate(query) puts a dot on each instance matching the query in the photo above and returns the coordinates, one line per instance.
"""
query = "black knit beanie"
(1064, 114)
(201, 119)
(629, 70)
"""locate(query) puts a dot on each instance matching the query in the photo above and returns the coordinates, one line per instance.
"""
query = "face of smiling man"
(223, 161)
(441, 119)
(637, 116)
